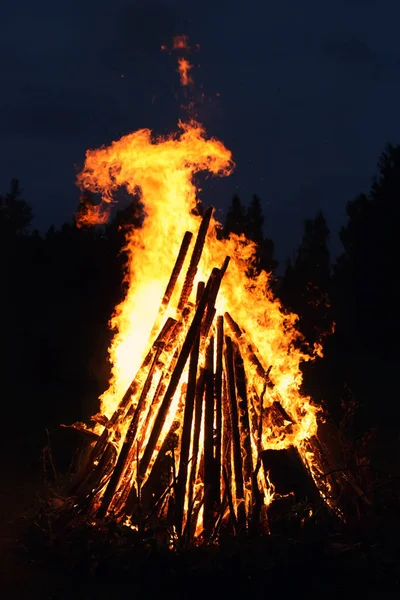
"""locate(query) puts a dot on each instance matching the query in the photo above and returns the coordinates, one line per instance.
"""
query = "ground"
(311, 564)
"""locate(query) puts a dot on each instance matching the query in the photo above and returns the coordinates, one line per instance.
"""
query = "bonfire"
(206, 378)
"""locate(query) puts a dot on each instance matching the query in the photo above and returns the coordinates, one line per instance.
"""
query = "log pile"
(184, 446)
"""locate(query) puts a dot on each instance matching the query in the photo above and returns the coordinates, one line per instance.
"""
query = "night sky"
(305, 93)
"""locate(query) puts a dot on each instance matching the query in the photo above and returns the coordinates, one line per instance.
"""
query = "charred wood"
(187, 426)
(123, 461)
(198, 411)
(176, 375)
(209, 466)
(244, 423)
(236, 447)
(218, 405)
(180, 259)
(195, 258)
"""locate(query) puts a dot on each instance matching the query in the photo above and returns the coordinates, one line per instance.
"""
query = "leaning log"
(169, 290)
(209, 466)
(180, 491)
(195, 258)
(80, 481)
(176, 375)
(218, 405)
(248, 349)
(123, 461)
(244, 423)
(237, 454)
(292, 482)
(198, 412)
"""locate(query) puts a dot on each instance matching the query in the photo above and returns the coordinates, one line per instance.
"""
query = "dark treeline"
(59, 291)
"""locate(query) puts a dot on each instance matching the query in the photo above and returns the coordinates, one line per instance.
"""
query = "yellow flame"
(162, 170)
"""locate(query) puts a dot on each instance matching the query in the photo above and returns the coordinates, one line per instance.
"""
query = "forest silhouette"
(59, 290)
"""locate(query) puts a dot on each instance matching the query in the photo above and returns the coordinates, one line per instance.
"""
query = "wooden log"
(162, 384)
(195, 258)
(176, 375)
(98, 477)
(248, 349)
(226, 441)
(161, 478)
(125, 483)
(180, 491)
(278, 416)
(218, 405)
(228, 492)
(237, 455)
(244, 423)
(198, 410)
(129, 495)
(206, 325)
(251, 353)
(169, 290)
(177, 269)
(100, 445)
(209, 466)
(288, 473)
(124, 461)
(293, 484)
(157, 396)
(257, 495)
(159, 343)
(211, 311)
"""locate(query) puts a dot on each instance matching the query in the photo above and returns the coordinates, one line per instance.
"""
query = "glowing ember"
(180, 42)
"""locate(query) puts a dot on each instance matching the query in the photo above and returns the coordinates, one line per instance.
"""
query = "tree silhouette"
(235, 221)
(254, 221)
(15, 214)
(249, 222)
(305, 286)
(364, 273)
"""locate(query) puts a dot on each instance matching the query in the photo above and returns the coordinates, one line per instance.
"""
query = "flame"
(180, 42)
(91, 214)
(184, 67)
(162, 168)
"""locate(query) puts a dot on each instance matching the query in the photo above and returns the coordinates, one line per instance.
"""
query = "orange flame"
(91, 214)
(163, 169)
(180, 42)
(184, 67)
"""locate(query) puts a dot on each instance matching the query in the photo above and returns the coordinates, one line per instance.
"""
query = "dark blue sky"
(309, 95)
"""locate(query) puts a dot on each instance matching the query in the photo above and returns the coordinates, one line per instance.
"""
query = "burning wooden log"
(218, 405)
(169, 290)
(127, 446)
(244, 424)
(195, 258)
(198, 411)
(191, 454)
(248, 349)
(209, 466)
(237, 453)
(181, 487)
(292, 484)
(79, 483)
(176, 375)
